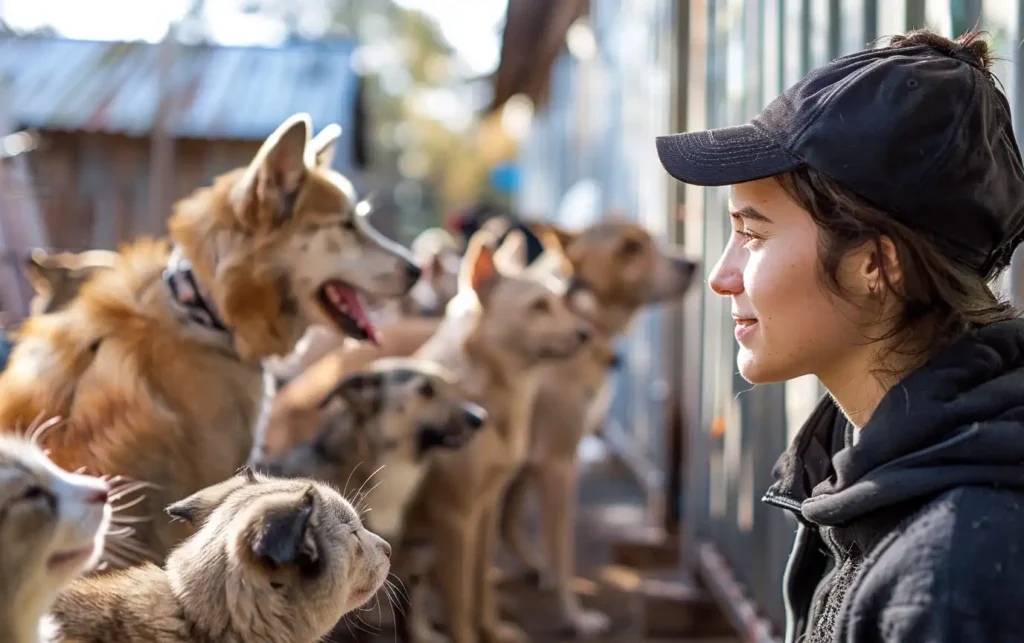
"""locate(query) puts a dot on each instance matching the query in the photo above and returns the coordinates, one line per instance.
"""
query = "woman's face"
(787, 322)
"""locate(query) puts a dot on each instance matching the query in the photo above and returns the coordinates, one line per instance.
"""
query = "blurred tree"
(418, 102)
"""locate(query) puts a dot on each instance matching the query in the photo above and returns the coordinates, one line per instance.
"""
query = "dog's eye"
(427, 390)
(630, 247)
(541, 306)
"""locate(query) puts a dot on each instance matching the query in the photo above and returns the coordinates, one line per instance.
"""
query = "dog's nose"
(412, 273)
(687, 267)
(475, 417)
(583, 334)
(615, 362)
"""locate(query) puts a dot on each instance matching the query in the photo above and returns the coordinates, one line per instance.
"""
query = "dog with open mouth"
(156, 365)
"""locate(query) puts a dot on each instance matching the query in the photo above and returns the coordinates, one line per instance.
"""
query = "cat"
(52, 526)
(272, 560)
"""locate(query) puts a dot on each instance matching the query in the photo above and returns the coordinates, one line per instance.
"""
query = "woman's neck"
(859, 383)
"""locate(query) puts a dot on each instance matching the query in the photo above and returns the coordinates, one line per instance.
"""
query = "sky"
(471, 26)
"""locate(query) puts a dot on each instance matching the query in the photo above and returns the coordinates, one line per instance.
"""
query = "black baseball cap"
(918, 130)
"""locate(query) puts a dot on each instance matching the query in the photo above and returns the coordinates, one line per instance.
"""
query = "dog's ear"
(196, 508)
(553, 237)
(266, 193)
(510, 257)
(324, 146)
(42, 273)
(362, 392)
(478, 272)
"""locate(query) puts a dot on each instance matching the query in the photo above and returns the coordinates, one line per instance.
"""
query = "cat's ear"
(284, 537)
(197, 508)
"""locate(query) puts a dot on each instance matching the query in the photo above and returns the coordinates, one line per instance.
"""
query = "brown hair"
(940, 298)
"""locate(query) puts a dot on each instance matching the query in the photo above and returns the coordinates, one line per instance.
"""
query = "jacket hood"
(956, 421)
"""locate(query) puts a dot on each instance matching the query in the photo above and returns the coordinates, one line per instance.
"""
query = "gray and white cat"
(52, 525)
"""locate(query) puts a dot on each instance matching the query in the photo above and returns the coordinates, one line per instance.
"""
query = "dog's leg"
(512, 532)
(557, 494)
(492, 628)
(455, 541)
(413, 563)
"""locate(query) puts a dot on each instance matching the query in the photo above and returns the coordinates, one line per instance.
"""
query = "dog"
(382, 425)
(57, 277)
(295, 414)
(155, 365)
(497, 334)
(608, 272)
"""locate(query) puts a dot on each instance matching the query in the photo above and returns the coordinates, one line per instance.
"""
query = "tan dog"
(498, 333)
(272, 560)
(155, 365)
(57, 277)
(383, 425)
(614, 268)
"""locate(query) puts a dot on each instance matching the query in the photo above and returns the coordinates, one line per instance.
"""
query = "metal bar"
(732, 598)
(834, 31)
(870, 20)
(915, 16)
(966, 15)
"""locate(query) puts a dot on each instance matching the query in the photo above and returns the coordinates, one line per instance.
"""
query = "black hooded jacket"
(916, 532)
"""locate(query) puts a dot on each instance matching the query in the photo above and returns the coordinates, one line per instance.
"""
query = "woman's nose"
(727, 276)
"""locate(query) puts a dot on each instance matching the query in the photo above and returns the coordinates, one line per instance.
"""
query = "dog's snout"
(412, 273)
(583, 334)
(475, 417)
(615, 362)
(687, 267)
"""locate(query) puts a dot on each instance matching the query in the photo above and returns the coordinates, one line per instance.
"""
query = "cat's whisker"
(128, 505)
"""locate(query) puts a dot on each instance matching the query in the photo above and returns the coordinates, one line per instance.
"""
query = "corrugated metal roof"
(222, 92)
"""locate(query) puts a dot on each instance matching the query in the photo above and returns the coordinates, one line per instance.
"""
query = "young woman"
(872, 203)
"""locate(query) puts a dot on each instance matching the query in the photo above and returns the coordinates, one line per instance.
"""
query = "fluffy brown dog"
(155, 365)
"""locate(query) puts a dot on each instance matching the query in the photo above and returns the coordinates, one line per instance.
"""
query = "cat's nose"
(386, 548)
(98, 497)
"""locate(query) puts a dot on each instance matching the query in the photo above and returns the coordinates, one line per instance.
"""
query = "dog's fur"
(148, 393)
(272, 560)
(498, 333)
(52, 525)
(295, 413)
(57, 277)
(381, 427)
(614, 269)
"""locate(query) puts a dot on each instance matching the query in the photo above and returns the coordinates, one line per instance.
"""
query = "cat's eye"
(541, 306)
(37, 494)
(349, 225)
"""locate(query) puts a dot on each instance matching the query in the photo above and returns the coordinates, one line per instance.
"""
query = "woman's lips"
(744, 326)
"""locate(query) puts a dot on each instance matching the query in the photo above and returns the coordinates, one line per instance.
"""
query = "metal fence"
(749, 52)
(662, 66)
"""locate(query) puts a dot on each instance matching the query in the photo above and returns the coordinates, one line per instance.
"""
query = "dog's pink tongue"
(355, 308)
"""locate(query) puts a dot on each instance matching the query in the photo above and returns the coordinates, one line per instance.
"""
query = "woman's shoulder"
(963, 552)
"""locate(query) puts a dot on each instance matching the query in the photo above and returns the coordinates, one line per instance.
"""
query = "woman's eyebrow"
(747, 212)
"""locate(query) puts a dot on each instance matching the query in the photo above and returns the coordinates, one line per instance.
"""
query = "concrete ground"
(608, 498)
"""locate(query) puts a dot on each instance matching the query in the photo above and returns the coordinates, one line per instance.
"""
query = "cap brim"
(723, 156)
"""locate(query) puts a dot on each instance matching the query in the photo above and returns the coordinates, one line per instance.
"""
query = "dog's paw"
(503, 632)
(590, 623)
